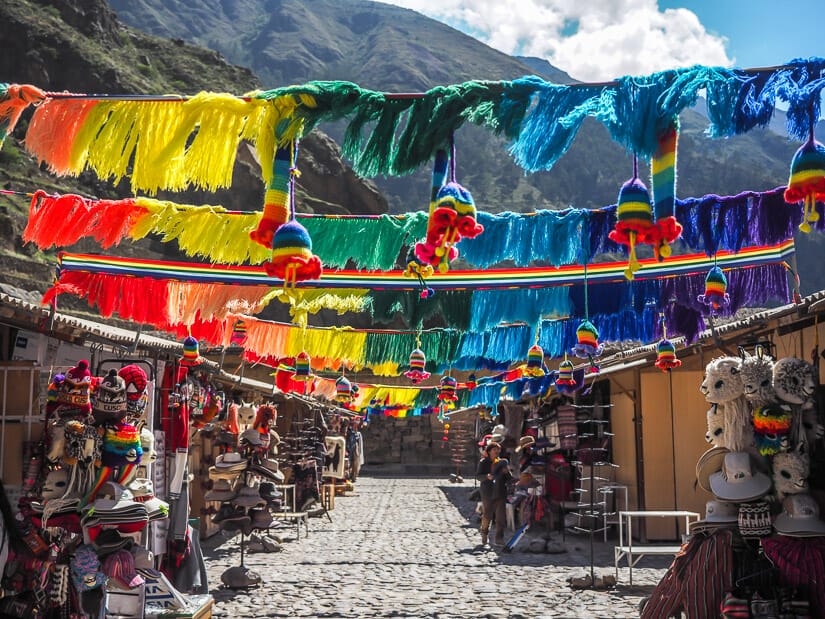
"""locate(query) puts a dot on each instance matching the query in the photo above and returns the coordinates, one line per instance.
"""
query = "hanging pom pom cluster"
(452, 216)
(716, 286)
(807, 180)
(666, 352)
(418, 360)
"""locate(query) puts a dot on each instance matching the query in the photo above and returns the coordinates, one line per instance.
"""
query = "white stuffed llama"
(723, 386)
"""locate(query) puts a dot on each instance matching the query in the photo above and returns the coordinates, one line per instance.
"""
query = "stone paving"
(409, 547)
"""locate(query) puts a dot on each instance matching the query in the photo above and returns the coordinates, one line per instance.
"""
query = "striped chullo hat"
(302, 361)
(587, 338)
(343, 390)
(565, 376)
(634, 210)
(418, 361)
(666, 355)
(292, 258)
(716, 286)
(191, 354)
(807, 180)
(446, 392)
(535, 361)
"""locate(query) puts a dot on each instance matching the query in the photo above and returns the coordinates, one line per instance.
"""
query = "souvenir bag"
(755, 519)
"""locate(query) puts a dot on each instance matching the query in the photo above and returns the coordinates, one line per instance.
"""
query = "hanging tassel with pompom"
(807, 180)
(665, 351)
(634, 218)
(418, 361)
(292, 259)
(535, 358)
(663, 184)
(716, 286)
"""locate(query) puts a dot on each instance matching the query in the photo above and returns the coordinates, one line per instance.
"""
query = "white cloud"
(593, 40)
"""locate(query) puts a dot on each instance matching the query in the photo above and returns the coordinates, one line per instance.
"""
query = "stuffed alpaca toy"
(716, 427)
(794, 381)
(723, 386)
(757, 378)
(790, 473)
(246, 413)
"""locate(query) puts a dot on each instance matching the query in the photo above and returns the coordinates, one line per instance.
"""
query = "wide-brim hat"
(109, 541)
(718, 514)
(799, 517)
(709, 463)
(224, 473)
(525, 441)
(221, 491)
(738, 481)
(230, 460)
(249, 497)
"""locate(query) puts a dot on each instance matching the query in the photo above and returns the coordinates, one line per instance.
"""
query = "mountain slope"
(387, 48)
(80, 46)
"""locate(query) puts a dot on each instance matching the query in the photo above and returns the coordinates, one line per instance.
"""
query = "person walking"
(493, 473)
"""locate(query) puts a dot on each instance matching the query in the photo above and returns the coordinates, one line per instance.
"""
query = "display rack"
(595, 483)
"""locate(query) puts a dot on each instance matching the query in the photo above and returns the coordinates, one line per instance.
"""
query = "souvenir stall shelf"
(89, 502)
(760, 550)
(245, 485)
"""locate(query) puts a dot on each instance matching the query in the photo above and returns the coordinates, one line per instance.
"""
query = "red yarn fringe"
(59, 221)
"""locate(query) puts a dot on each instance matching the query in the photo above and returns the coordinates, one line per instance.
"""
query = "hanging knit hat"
(446, 392)
(587, 341)
(634, 219)
(109, 400)
(292, 257)
(456, 208)
(343, 390)
(302, 366)
(666, 355)
(136, 382)
(535, 362)
(121, 445)
(75, 390)
(417, 373)
(716, 286)
(807, 180)
(191, 355)
(565, 381)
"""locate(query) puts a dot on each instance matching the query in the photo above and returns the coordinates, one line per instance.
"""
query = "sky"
(598, 40)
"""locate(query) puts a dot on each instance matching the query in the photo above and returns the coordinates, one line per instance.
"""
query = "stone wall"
(407, 441)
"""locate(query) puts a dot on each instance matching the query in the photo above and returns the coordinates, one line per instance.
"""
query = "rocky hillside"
(81, 46)
(385, 47)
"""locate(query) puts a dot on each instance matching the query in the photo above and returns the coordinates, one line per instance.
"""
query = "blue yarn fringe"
(489, 308)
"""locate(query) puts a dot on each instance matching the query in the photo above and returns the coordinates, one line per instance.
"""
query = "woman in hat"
(493, 473)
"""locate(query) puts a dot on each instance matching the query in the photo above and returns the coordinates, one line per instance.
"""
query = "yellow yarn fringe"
(207, 231)
(311, 301)
(403, 396)
(172, 144)
(389, 368)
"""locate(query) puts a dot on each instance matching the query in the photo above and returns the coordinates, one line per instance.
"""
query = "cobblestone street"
(408, 547)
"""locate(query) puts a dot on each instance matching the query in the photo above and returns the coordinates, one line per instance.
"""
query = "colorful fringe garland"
(173, 142)
(711, 223)
(625, 311)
